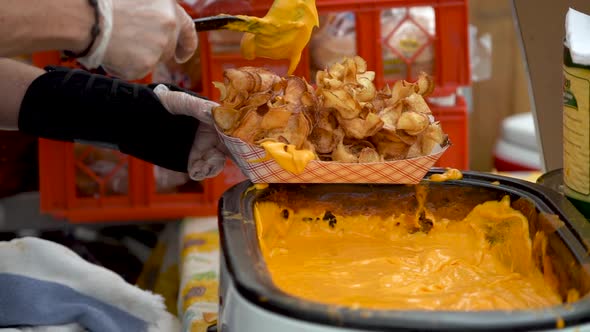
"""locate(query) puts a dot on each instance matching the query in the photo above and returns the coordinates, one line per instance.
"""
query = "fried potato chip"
(249, 129)
(324, 140)
(258, 99)
(241, 79)
(401, 89)
(345, 119)
(369, 155)
(370, 75)
(275, 117)
(415, 149)
(350, 71)
(361, 64)
(222, 90)
(337, 71)
(344, 103)
(310, 106)
(390, 116)
(380, 101)
(401, 135)
(361, 128)
(268, 78)
(416, 103)
(250, 79)
(326, 134)
(357, 146)
(308, 99)
(367, 90)
(424, 85)
(390, 150)
(225, 117)
(413, 123)
(343, 154)
(294, 90)
(295, 133)
(235, 99)
(433, 136)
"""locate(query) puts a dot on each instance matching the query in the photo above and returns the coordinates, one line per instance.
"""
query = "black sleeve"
(74, 105)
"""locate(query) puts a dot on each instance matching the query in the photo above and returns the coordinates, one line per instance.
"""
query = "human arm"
(208, 153)
(134, 35)
(73, 105)
(28, 26)
(16, 78)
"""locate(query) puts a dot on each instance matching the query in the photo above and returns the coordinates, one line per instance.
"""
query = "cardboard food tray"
(252, 161)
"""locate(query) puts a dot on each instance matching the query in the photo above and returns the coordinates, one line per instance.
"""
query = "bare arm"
(74, 105)
(16, 78)
(134, 34)
(28, 26)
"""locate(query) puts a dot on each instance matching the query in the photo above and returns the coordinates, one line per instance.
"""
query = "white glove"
(207, 156)
(136, 35)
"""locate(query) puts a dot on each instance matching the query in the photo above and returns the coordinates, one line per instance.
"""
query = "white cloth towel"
(45, 287)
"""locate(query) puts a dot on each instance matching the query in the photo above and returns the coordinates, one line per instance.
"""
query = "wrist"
(100, 34)
(44, 26)
(68, 28)
(88, 24)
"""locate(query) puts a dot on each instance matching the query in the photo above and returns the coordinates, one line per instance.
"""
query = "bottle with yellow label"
(576, 132)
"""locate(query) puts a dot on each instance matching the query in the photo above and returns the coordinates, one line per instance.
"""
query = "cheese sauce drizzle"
(282, 34)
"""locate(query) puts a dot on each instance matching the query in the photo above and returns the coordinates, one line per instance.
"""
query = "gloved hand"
(207, 156)
(169, 130)
(135, 35)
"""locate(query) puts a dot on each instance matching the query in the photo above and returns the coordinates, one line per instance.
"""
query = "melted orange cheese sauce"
(449, 174)
(287, 156)
(480, 263)
(282, 34)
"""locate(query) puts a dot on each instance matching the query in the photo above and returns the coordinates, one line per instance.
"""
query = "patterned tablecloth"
(199, 269)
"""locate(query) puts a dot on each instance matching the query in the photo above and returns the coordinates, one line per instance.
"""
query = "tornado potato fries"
(345, 119)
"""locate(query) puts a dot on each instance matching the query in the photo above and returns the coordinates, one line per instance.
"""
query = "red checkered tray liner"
(408, 171)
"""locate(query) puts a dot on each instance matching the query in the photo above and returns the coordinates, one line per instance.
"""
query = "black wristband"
(74, 105)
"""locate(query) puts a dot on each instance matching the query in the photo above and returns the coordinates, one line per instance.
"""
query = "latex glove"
(207, 156)
(136, 35)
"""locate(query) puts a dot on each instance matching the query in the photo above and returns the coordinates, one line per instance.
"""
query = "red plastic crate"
(127, 190)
